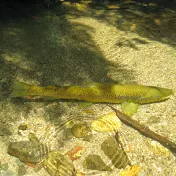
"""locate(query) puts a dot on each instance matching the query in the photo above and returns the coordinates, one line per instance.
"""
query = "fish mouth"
(165, 98)
(166, 93)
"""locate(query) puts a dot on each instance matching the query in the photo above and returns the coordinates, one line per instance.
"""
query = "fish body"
(96, 92)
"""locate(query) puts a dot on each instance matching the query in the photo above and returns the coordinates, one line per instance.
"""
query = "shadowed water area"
(70, 43)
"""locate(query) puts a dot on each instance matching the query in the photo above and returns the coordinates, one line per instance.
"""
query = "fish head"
(158, 93)
(166, 93)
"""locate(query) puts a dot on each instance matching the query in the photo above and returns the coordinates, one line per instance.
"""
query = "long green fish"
(129, 94)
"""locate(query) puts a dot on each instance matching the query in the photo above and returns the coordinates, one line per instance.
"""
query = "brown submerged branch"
(145, 130)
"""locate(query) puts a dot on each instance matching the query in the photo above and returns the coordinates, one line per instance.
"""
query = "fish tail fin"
(20, 89)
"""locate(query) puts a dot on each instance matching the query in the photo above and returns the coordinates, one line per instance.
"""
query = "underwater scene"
(88, 88)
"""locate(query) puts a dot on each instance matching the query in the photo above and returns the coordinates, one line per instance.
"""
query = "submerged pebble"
(94, 162)
(80, 130)
(28, 151)
(21, 170)
(33, 137)
(58, 164)
(130, 171)
(153, 120)
(23, 126)
(4, 131)
(7, 173)
(158, 149)
(115, 153)
(107, 123)
(4, 166)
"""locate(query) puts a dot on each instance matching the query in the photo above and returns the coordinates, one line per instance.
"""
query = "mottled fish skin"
(28, 151)
(110, 93)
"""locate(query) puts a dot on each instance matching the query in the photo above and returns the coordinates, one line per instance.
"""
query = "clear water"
(81, 43)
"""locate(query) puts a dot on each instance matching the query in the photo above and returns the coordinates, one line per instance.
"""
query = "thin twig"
(145, 130)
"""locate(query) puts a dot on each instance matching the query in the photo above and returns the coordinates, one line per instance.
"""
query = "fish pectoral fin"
(84, 104)
(129, 108)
